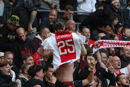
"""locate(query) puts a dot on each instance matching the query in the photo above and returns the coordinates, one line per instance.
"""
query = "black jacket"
(126, 16)
(124, 61)
(32, 82)
(22, 48)
(119, 14)
(103, 75)
(47, 84)
(7, 38)
(45, 23)
(4, 79)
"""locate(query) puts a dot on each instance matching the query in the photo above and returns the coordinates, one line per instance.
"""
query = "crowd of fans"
(23, 29)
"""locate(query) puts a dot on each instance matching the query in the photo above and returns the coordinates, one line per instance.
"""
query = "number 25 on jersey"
(66, 50)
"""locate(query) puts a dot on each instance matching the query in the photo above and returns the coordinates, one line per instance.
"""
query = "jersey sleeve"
(46, 44)
(83, 39)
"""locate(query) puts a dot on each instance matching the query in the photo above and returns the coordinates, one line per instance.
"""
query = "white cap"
(1, 54)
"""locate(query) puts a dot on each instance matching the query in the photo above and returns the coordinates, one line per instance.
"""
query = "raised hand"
(51, 79)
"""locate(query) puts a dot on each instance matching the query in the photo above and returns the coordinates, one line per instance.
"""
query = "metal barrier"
(62, 11)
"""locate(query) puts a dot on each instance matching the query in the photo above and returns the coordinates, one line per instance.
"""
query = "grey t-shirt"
(1, 8)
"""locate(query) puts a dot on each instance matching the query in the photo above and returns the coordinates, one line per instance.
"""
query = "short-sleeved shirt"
(23, 9)
(66, 47)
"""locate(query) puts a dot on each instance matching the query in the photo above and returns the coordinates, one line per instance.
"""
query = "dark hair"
(98, 4)
(69, 7)
(34, 69)
(119, 25)
(118, 77)
(60, 25)
(89, 49)
(108, 37)
(42, 28)
(104, 51)
(47, 66)
(24, 57)
(93, 55)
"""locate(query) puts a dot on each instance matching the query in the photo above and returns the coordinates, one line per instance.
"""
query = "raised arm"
(100, 61)
(83, 50)
(32, 19)
(90, 77)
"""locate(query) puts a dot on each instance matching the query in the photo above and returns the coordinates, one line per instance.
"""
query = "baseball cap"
(1, 54)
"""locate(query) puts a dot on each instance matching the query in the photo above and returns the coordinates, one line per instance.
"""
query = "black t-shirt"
(22, 48)
(64, 3)
(23, 9)
(32, 82)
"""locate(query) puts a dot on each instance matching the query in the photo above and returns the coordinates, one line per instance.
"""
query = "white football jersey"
(66, 48)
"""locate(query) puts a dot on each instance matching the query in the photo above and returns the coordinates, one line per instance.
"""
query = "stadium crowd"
(47, 49)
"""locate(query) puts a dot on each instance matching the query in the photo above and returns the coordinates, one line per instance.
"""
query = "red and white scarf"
(110, 43)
